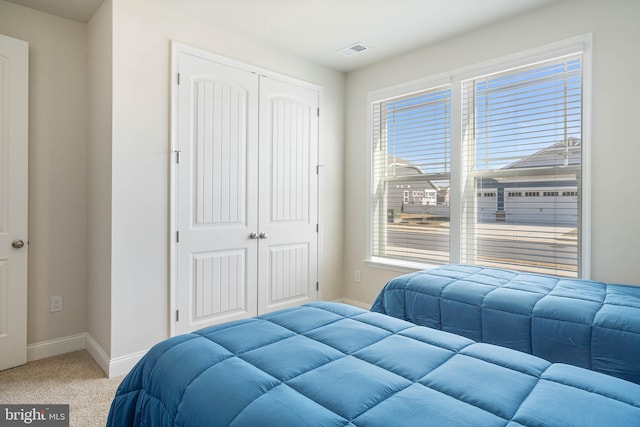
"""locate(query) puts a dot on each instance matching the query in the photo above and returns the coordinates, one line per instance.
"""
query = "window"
(518, 146)
(411, 149)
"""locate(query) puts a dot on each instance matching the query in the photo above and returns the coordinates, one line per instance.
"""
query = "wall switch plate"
(357, 276)
(56, 303)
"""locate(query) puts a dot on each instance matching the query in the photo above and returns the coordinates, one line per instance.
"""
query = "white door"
(216, 209)
(14, 77)
(245, 192)
(288, 192)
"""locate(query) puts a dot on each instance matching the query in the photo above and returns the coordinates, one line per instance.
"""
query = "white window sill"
(397, 265)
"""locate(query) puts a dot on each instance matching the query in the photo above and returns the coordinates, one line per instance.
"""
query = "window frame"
(455, 79)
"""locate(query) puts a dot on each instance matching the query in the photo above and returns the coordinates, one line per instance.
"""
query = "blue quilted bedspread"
(328, 364)
(585, 323)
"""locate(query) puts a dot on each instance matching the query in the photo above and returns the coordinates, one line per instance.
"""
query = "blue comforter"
(328, 364)
(584, 323)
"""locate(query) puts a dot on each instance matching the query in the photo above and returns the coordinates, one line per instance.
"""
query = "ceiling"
(77, 10)
(316, 29)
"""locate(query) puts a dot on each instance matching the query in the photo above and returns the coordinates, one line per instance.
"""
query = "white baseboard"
(123, 364)
(97, 352)
(56, 347)
(112, 367)
(355, 303)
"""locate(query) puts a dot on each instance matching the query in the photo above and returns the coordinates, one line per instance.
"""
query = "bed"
(580, 322)
(329, 364)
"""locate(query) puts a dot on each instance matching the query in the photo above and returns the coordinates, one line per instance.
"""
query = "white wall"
(615, 234)
(140, 163)
(99, 171)
(57, 168)
(114, 176)
(99, 41)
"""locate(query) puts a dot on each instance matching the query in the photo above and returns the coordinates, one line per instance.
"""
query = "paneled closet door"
(215, 195)
(288, 195)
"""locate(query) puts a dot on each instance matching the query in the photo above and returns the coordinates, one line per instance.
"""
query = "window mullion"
(455, 203)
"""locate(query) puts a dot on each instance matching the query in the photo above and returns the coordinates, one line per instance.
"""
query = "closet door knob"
(17, 244)
(253, 236)
(262, 235)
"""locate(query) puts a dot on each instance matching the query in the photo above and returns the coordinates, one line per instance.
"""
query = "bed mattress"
(329, 364)
(581, 322)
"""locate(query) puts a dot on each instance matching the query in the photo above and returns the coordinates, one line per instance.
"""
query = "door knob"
(17, 243)
(253, 236)
(262, 235)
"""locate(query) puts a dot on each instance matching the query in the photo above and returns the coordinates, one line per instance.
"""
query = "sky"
(516, 113)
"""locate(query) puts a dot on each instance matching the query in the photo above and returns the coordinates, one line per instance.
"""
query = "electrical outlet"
(56, 303)
(358, 276)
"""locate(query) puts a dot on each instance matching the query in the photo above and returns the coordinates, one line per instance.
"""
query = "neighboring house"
(517, 193)
(419, 196)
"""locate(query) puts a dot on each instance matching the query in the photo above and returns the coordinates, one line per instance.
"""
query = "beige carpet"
(72, 378)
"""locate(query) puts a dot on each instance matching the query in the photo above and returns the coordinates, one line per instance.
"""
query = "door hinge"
(177, 237)
(177, 156)
(178, 78)
(317, 286)
(317, 228)
(177, 315)
(318, 111)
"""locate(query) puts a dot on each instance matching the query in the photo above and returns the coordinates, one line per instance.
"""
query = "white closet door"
(288, 195)
(216, 207)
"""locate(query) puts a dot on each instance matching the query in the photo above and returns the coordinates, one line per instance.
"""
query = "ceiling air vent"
(354, 49)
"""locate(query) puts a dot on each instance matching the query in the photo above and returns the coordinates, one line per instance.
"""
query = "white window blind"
(411, 176)
(522, 166)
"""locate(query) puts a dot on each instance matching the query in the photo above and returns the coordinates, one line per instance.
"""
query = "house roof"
(563, 153)
(398, 162)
